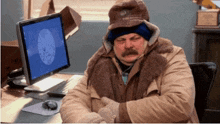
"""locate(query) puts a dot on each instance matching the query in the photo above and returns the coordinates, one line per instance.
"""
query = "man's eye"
(120, 41)
(135, 38)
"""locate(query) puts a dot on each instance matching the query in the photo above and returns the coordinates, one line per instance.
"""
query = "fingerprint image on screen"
(46, 46)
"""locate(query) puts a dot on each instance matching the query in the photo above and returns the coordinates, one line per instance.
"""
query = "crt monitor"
(43, 49)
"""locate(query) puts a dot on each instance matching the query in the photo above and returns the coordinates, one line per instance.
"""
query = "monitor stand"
(44, 84)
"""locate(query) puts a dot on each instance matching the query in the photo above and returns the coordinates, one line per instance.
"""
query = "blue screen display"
(45, 47)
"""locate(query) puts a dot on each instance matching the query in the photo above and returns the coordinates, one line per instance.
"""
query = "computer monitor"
(43, 50)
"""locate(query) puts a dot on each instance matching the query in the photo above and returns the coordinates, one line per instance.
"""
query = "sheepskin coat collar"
(103, 74)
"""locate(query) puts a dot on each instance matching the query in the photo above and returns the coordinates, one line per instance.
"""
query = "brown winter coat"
(160, 86)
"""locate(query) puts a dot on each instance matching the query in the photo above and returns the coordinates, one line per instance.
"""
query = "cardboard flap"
(47, 8)
(71, 21)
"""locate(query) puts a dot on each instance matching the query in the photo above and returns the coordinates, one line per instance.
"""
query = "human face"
(129, 47)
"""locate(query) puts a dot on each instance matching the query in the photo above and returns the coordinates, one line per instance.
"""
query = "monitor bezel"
(23, 49)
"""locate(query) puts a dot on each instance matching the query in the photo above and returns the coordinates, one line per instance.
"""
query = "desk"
(10, 96)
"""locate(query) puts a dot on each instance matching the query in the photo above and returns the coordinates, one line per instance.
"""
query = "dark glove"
(110, 112)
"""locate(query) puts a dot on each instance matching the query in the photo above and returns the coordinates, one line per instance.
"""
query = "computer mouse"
(50, 105)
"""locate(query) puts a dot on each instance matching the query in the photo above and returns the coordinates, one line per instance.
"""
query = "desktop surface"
(13, 100)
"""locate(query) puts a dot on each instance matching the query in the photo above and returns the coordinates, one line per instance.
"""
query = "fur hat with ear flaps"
(127, 13)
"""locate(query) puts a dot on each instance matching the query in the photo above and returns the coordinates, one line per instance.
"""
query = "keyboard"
(44, 85)
(62, 89)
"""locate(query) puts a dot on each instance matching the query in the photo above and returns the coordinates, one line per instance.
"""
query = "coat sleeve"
(175, 102)
(76, 105)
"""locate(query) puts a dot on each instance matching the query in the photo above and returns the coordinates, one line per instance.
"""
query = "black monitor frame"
(23, 49)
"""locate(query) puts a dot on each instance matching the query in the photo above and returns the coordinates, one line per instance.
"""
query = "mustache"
(129, 52)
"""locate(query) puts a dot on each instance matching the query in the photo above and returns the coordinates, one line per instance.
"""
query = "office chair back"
(204, 75)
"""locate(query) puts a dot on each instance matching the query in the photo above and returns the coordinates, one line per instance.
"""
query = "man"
(136, 76)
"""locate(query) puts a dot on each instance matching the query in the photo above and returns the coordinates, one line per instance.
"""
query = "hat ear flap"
(155, 32)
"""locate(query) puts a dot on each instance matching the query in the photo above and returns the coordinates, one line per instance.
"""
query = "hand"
(91, 118)
(107, 115)
(110, 112)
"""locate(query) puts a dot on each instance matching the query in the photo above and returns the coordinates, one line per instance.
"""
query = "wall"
(175, 18)
(11, 13)
(84, 44)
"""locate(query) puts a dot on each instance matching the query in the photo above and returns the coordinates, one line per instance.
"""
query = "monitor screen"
(43, 47)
